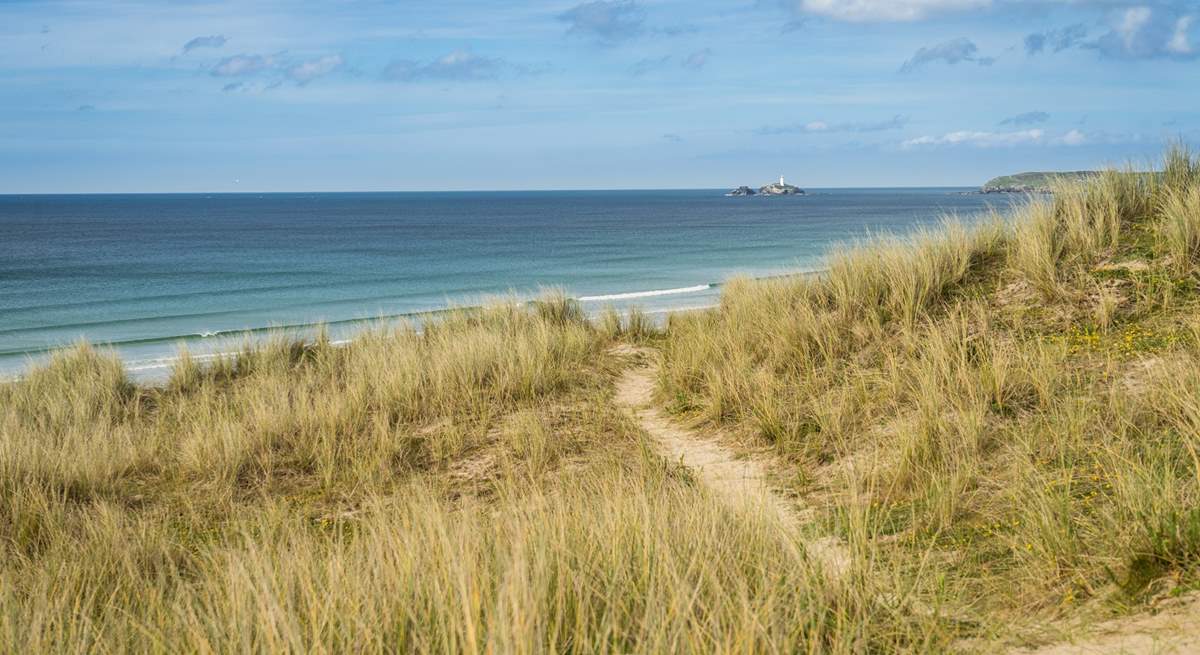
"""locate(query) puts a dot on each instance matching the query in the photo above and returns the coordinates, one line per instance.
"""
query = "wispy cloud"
(1072, 138)
(1055, 40)
(606, 21)
(951, 52)
(307, 71)
(243, 64)
(259, 86)
(885, 10)
(697, 59)
(978, 139)
(1027, 118)
(1180, 42)
(459, 65)
(86, 108)
(1000, 139)
(213, 41)
(675, 29)
(673, 138)
(823, 127)
(1144, 32)
(275, 66)
(648, 64)
(1165, 29)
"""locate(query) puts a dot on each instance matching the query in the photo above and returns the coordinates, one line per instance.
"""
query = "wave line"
(647, 294)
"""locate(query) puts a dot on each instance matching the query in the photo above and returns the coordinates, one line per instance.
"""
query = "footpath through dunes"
(743, 482)
(740, 482)
(1175, 629)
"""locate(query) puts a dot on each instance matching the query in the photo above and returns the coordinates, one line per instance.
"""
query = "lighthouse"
(781, 180)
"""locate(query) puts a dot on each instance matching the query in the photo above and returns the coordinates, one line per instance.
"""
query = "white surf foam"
(163, 363)
(140, 365)
(647, 294)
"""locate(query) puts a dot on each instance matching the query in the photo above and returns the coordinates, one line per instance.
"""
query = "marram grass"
(1001, 421)
(1014, 403)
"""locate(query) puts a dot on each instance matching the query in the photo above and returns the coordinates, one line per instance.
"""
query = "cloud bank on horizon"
(464, 94)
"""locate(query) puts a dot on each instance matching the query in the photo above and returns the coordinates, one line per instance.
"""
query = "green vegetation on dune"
(1010, 410)
(1050, 181)
(469, 488)
(1035, 182)
(1000, 422)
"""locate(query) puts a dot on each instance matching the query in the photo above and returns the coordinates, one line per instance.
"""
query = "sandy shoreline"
(144, 372)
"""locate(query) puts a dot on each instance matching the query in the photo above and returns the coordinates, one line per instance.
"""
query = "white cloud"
(1134, 19)
(275, 66)
(819, 126)
(1179, 39)
(459, 65)
(243, 65)
(885, 10)
(1072, 138)
(1145, 32)
(306, 71)
(978, 139)
(1000, 139)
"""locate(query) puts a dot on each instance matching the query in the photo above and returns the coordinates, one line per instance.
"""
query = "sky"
(402, 95)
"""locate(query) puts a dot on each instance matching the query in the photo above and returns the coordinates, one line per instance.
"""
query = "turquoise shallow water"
(146, 273)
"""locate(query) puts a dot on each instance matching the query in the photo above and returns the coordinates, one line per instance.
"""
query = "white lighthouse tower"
(781, 180)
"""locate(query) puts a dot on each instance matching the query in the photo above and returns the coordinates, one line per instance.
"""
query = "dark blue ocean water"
(148, 272)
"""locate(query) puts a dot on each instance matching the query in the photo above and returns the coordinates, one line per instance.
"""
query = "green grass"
(1001, 421)
(469, 488)
(1003, 402)
(1038, 180)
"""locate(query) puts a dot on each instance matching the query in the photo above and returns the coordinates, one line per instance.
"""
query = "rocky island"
(779, 188)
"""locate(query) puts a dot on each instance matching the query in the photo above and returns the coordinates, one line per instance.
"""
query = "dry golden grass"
(469, 488)
(993, 400)
(1000, 420)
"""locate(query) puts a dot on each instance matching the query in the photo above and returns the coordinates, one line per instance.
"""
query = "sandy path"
(1174, 629)
(741, 482)
(744, 482)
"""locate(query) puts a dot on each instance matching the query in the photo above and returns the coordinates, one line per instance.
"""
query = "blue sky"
(119, 96)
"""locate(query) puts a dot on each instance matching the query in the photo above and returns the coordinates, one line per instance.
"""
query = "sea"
(146, 274)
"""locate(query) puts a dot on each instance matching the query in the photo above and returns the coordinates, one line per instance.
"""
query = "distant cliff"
(1034, 182)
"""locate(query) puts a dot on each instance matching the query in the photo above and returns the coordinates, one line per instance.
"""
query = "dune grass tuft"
(1014, 401)
(999, 419)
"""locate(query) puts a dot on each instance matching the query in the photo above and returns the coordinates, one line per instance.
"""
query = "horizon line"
(464, 191)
